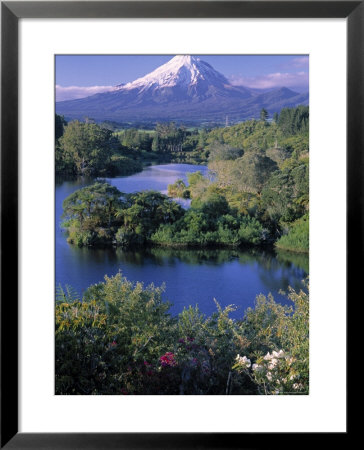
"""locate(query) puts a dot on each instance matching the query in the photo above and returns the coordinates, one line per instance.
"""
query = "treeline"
(86, 149)
(119, 339)
(261, 168)
(167, 141)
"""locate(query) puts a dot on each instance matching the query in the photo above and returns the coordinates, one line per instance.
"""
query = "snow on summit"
(185, 88)
(183, 70)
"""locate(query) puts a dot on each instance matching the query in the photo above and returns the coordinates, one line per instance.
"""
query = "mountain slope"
(186, 89)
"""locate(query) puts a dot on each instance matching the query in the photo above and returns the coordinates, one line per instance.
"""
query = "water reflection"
(191, 276)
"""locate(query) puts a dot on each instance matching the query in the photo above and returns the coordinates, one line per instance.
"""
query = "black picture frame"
(11, 12)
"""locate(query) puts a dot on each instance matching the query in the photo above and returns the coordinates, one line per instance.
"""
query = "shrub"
(278, 355)
(120, 339)
(297, 239)
(102, 342)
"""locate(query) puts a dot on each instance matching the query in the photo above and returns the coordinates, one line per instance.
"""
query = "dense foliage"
(178, 190)
(120, 339)
(296, 238)
(257, 190)
(100, 214)
(211, 222)
(261, 168)
(88, 149)
(90, 214)
(167, 142)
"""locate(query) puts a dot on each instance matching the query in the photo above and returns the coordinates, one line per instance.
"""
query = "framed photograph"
(170, 251)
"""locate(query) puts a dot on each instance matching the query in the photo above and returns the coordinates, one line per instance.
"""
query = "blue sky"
(82, 75)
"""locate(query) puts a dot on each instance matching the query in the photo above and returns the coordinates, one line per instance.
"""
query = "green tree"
(91, 214)
(142, 214)
(294, 120)
(297, 238)
(89, 146)
(155, 143)
(251, 172)
(178, 189)
(224, 152)
(60, 123)
(263, 115)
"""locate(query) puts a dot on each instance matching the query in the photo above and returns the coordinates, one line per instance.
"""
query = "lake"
(190, 276)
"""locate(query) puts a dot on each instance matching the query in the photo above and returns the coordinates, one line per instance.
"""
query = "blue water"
(190, 276)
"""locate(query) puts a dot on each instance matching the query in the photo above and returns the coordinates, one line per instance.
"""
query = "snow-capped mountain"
(186, 88)
(182, 70)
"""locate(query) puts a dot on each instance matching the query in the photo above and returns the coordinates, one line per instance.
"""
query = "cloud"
(273, 80)
(73, 92)
(302, 61)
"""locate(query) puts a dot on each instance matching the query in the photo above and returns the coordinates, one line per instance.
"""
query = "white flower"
(257, 367)
(273, 363)
(297, 386)
(279, 354)
(244, 361)
(268, 357)
(269, 376)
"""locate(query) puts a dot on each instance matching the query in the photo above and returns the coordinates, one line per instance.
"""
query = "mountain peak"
(181, 70)
(184, 88)
(184, 60)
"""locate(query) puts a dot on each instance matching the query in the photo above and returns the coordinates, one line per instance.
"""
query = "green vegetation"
(87, 149)
(178, 190)
(179, 144)
(120, 339)
(101, 215)
(209, 223)
(257, 191)
(90, 215)
(166, 142)
(261, 168)
(297, 237)
(141, 215)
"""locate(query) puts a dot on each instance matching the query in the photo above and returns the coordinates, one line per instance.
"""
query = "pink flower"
(168, 360)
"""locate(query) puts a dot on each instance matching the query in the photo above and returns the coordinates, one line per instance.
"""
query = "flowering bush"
(270, 327)
(121, 340)
(274, 373)
(167, 360)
